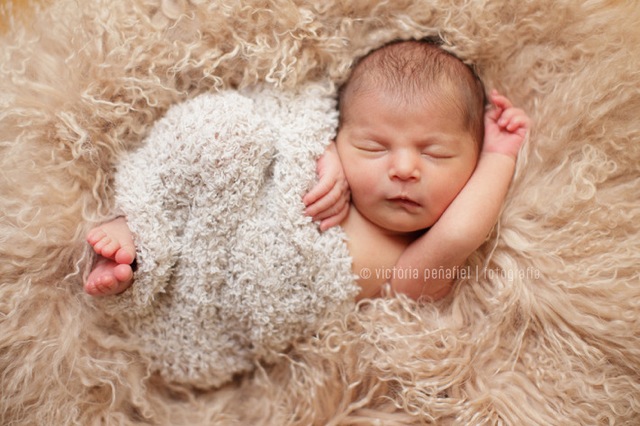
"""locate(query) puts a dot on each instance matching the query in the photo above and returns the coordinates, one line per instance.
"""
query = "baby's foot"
(112, 273)
(114, 241)
(108, 278)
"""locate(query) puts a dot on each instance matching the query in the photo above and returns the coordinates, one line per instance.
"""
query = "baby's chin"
(396, 223)
(408, 228)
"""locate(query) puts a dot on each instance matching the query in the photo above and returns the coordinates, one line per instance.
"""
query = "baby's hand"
(328, 200)
(505, 127)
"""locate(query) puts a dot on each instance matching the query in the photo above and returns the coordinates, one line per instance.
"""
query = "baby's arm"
(464, 226)
(328, 201)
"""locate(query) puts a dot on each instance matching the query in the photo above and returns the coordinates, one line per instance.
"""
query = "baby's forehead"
(441, 101)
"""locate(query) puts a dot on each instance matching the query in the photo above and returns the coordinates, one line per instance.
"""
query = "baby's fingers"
(321, 189)
(498, 104)
(338, 214)
(513, 119)
(499, 101)
(319, 208)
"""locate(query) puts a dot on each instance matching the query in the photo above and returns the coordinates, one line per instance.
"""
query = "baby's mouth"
(405, 202)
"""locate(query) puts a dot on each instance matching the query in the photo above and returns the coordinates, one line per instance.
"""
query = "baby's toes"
(95, 235)
(103, 286)
(124, 276)
(107, 247)
(110, 249)
(125, 254)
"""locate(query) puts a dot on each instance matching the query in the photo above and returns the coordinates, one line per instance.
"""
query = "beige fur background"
(546, 332)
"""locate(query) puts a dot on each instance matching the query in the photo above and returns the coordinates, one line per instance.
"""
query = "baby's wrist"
(500, 152)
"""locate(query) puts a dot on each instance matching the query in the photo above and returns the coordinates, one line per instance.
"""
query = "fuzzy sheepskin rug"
(544, 326)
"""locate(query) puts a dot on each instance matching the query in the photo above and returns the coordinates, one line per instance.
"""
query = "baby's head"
(411, 130)
(419, 71)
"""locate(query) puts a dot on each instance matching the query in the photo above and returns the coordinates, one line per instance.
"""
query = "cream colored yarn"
(230, 271)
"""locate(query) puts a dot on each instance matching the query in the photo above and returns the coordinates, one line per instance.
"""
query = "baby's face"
(405, 162)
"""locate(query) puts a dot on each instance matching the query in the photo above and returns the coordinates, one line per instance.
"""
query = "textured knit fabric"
(230, 271)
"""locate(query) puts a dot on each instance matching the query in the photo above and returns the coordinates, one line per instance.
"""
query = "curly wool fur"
(547, 331)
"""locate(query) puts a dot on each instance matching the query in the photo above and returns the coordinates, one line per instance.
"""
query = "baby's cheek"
(443, 197)
(359, 190)
(362, 180)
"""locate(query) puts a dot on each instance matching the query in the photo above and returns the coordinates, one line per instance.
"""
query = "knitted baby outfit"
(230, 270)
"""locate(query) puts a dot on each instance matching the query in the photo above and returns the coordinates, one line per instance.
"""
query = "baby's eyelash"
(371, 146)
(437, 155)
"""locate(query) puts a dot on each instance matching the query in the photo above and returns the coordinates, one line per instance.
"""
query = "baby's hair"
(420, 68)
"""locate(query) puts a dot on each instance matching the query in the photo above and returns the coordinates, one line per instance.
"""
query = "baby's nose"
(405, 166)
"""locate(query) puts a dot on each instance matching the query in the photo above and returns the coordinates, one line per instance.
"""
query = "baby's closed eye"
(370, 146)
(437, 152)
